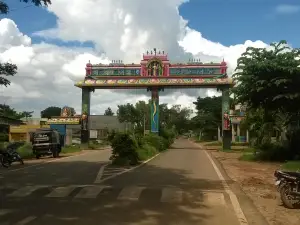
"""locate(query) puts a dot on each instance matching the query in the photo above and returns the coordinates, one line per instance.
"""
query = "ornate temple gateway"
(155, 73)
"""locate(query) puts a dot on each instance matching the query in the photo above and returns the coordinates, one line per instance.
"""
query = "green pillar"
(226, 127)
(154, 110)
(85, 113)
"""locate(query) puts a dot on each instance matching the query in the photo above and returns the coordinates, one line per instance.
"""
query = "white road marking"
(90, 192)
(234, 201)
(128, 170)
(26, 220)
(171, 195)
(25, 191)
(215, 199)
(131, 193)
(100, 174)
(61, 192)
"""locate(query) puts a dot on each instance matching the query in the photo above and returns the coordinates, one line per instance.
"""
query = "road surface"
(180, 186)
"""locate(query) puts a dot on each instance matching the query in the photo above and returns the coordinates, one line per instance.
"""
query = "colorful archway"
(155, 72)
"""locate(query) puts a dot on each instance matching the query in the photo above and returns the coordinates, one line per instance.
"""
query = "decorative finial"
(151, 52)
(154, 51)
(163, 52)
(147, 52)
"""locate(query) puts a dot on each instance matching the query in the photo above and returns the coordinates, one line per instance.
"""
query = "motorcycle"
(10, 155)
(288, 185)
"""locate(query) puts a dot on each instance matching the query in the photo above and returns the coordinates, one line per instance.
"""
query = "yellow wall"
(21, 133)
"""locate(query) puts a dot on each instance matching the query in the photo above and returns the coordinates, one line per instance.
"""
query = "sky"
(52, 45)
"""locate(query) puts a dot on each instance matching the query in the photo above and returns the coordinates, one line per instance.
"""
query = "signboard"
(194, 71)
(116, 72)
(93, 134)
(70, 120)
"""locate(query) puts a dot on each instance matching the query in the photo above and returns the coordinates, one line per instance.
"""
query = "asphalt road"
(180, 186)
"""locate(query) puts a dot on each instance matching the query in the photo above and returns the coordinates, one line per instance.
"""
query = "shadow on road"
(106, 209)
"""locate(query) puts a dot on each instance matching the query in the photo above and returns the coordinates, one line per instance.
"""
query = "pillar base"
(84, 136)
(227, 136)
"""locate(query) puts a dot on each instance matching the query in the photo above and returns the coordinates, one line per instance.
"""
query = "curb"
(128, 170)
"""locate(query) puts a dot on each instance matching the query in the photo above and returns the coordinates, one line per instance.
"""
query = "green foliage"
(50, 112)
(6, 69)
(124, 149)
(7, 111)
(268, 84)
(269, 78)
(3, 137)
(25, 151)
(169, 135)
(131, 149)
(209, 117)
(146, 151)
(139, 115)
(158, 142)
(111, 136)
(291, 166)
(108, 112)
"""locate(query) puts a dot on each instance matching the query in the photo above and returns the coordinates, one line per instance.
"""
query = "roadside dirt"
(257, 181)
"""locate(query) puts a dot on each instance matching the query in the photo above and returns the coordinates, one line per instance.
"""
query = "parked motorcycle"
(10, 155)
(288, 185)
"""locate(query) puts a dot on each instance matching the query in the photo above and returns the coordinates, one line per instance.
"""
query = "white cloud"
(287, 9)
(120, 30)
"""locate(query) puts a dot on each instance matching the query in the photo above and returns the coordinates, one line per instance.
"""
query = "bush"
(3, 137)
(169, 135)
(111, 135)
(25, 151)
(273, 152)
(124, 149)
(146, 151)
(156, 141)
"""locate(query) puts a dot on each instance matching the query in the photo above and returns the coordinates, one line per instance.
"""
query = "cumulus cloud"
(119, 29)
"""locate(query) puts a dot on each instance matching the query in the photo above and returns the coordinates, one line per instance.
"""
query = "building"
(236, 117)
(23, 132)
(5, 122)
(99, 126)
(70, 127)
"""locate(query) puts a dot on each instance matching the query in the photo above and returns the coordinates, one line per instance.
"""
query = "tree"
(127, 113)
(209, 116)
(108, 112)
(139, 115)
(51, 111)
(26, 114)
(269, 79)
(7, 111)
(8, 69)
